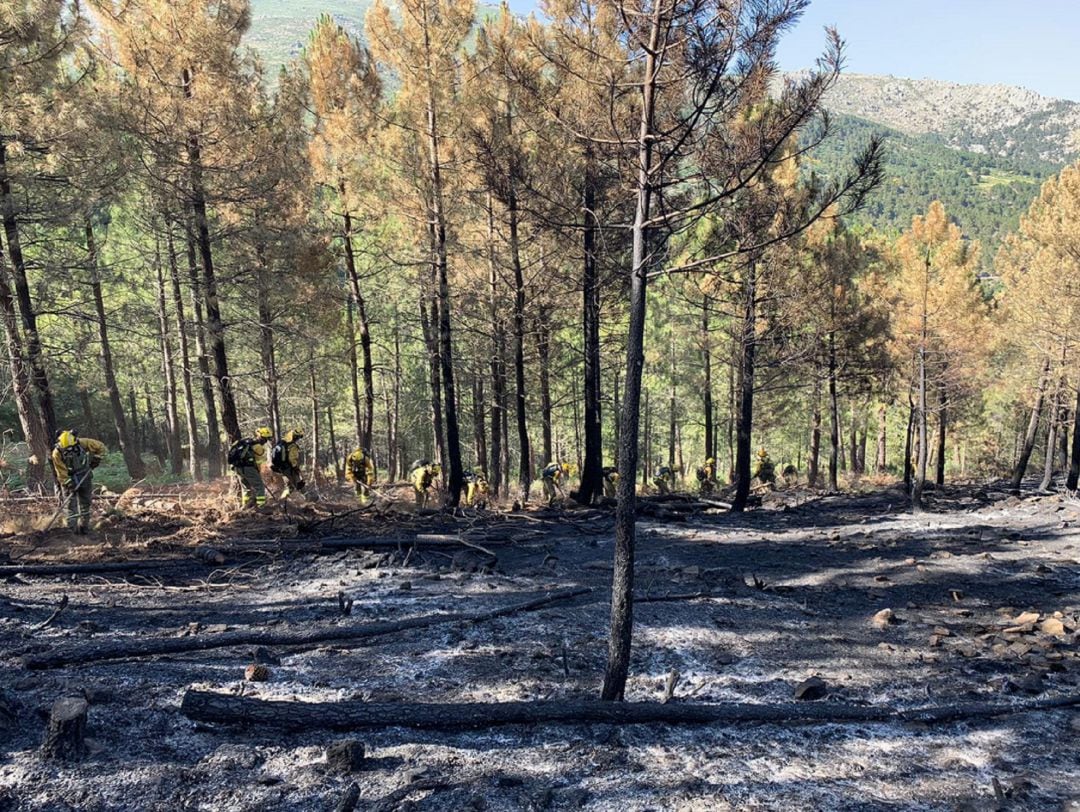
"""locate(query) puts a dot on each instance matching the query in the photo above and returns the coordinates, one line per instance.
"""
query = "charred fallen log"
(207, 706)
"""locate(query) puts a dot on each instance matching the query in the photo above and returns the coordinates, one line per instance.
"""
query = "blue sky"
(1033, 44)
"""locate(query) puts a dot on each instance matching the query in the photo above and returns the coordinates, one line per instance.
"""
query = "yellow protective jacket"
(360, 463)
(292, 450)
(259, 451)
(95, 448)
(422, 478)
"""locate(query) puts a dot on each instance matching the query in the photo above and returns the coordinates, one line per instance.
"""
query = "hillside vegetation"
(984, 194)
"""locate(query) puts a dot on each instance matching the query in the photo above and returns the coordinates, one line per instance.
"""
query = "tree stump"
(346, 756)
(65, 737)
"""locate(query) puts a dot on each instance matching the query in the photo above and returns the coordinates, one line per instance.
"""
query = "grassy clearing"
(1000, 177)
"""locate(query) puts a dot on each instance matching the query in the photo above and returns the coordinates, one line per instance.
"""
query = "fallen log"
(207, 706)
(79, 654)
(392, 544)
(47, 570)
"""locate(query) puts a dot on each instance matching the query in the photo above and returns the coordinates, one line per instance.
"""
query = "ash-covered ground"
(743, 607)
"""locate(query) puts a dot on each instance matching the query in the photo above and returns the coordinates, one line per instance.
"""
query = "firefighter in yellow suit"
(422, 478)
(246, 457)
(611, 481)
(551, 477)
(476, 489)
(74, 459)
(289, 466)
(360, 471)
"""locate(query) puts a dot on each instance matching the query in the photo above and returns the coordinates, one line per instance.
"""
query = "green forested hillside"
(279, 28)
(985, 194)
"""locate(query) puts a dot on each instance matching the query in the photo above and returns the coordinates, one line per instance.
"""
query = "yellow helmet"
(298, 433)
(436, 469)
(710, 461)
(263, 433)
(67, 439)
(566, 468)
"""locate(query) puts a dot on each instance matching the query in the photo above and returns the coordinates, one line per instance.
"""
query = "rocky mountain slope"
(998, 120)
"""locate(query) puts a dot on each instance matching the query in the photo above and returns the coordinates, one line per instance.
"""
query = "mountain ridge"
(993, 119)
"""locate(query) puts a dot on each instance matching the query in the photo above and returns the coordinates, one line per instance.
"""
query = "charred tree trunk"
(214, 325)
(1074, 461)
(646, 445)
(479, 433)
(185, 357)
(924, 450)
(396, 461)
(543, 346)
(707, 396)
(617, 404)
(1063, 431)
(130, 449)
(853, 441)
(439, 256)
(34, 352)
(316, 428)
(592, 483)
(815, 437)
(172, 413)
(524, 466)
(1053, 414)
(339, 471)
(731, 420)
(498, 368)
(88, 420)
(943, 413)
(745, 414)
(364, 426)
(33, 428)
(354, 369)
(214, 457)
(834, 416)
(430, 339)
(1032, 429)
(672, 410)
(266, 344)
(880, 460)
(152, 430)
(622, 580)
(907, 444)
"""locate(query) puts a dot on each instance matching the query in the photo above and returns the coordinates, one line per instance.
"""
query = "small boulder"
(1024, 618)
(810, 689)
(1052, 626)
(884, 618)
